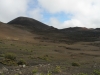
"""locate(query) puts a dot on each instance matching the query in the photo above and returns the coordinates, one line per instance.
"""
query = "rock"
(1, 71)
(20, 73)
(38, 74)
(20, 65)
(4, 69)
(24, 66)
(17, 69)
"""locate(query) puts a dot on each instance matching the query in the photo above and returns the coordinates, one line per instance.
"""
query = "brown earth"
(44, 50)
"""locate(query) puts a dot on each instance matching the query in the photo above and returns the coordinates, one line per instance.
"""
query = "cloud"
(36, 14)
(85, 12)
(69, 23)
(10, 9)
(68, 6)
(54, 22)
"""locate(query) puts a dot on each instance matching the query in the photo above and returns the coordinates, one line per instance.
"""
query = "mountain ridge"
(49, 33)
(30, 22)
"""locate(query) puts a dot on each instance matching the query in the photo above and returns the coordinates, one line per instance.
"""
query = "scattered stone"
(1, 71)
(4, 69)
(20, 73)
(20, 65)
(38, 74)
(24, 66)
(17, 69)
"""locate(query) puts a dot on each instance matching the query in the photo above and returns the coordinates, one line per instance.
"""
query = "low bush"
(8, 62)
(75, 64)
(21, 62)
(57, 69)
(10, 56)
(9, 59)
(34, 71)
(96, 72)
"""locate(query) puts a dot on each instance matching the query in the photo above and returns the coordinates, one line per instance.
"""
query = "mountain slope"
(48, 33)
(12, 33)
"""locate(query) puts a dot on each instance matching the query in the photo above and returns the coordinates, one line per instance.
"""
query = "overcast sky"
(57, 13)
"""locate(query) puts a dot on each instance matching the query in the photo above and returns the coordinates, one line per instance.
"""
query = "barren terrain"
(47, 52)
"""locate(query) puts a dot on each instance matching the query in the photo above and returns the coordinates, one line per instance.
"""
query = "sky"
(56, 13)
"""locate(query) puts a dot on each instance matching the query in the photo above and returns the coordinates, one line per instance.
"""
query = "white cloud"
(85, 12)
(36, 14)
(54, 22)
(69, 23)
(10, 9)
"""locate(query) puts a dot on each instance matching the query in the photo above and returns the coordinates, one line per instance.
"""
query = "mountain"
(24, 26)
(82, 33)
(30, 24)
(33, 26)
(72, 29)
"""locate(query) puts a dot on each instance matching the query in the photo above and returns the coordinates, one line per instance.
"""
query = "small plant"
(57, 69)
(21, 62)
(96, 72)
(1, 73)
(2, 55)
(10, 59)
(75, 64)
(34, 71)
(8, 62)
(10, 56)
(45, 57)
(49, 73)
(12, 45)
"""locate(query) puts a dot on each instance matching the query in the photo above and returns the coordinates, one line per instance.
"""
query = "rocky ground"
(45, 69)
(27, 70)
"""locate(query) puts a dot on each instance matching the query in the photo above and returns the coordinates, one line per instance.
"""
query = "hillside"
(12, 33)
(82, 34)
(29, 47)
(50, 33)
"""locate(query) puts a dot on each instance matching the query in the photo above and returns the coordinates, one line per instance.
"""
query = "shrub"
(45, 57)
(10, 56)
(2, 55)
(10, 59)
(96, 72)
(2, 73)
(75, 64)
(49, 73)
(21, 62)
(34, 71)
(57, 69)
(9, 62)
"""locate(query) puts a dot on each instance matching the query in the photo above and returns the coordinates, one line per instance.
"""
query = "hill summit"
(29, 23)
